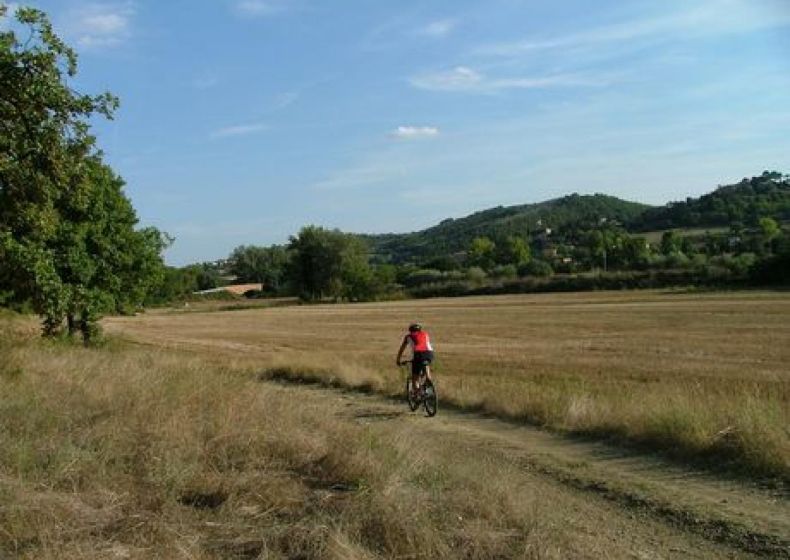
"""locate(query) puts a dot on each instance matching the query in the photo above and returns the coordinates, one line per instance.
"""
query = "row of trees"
(69, 242)
(316, 264)
(320, 264)
(745, 202)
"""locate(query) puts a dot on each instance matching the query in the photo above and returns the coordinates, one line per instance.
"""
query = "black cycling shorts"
(419, 360)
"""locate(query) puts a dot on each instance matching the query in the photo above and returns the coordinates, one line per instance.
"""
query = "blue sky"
(243, 120)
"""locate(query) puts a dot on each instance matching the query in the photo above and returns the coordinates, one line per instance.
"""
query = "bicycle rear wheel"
(411, 398)
(431, 398)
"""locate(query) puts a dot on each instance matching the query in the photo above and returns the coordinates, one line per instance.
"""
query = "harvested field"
(131, 451)
(700, 376)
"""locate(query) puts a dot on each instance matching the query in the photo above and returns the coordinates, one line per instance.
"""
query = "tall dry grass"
(127, 452)
(698, 376)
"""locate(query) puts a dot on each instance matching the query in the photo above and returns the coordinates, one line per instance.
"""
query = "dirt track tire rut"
(743, 517)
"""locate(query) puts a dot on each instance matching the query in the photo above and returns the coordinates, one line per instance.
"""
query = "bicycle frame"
(427, 393)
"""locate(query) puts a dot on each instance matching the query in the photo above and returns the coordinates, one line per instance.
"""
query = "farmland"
(696, 375)
(181, 436)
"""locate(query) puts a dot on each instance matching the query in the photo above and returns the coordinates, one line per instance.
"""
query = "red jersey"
(420, 341)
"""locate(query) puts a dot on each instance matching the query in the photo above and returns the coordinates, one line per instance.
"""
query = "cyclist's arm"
(401, 349)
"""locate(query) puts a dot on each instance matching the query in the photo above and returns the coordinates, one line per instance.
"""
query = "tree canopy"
(68, 237)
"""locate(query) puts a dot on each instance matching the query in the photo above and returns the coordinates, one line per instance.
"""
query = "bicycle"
(427, 394)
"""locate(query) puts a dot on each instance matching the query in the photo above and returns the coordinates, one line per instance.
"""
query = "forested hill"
(767, 195)
(455, 235)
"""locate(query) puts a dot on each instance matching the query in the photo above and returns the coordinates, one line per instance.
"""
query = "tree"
(329, 263)
(670, 242)
(266, 265)
(67, 231)
(636, 252)
(769, 229)
(512, 250)
(481, 253)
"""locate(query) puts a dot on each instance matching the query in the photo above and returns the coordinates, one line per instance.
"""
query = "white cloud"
(439, 28)
(462, 78)
(257, 8)
(239, 130)
(458, 79)
(710, 17)
(96, 26)
(372, 174)
(409, 132)
(106, 24)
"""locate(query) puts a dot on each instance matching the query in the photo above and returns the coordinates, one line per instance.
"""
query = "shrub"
(504, 271)
(476, 274)
(536, 267)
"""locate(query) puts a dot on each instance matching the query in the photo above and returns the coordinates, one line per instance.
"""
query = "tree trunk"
(50, 326)
(89, 327)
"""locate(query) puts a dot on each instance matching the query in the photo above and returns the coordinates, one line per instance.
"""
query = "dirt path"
(680, 511)
(641, 505)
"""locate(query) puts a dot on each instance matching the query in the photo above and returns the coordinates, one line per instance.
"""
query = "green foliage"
(512, 250)
(265, 265)
(482, 253)
(442, 262)
(67, 237)
(504, 271)
(670, 243)
(774, 268)
(536, 267)
(476, 275)
(454, 236)
(767, 195)
(769, 230)
(328, 263)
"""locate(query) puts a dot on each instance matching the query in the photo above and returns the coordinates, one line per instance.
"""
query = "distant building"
(236, 289)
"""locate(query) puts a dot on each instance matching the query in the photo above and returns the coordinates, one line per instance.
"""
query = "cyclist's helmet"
(414, 327)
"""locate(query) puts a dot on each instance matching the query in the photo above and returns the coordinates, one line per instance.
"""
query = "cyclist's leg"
(416, 377)
(416, 382)
(427, 366)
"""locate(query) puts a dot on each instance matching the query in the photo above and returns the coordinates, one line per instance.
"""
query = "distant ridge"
(738, 205)
(454, 235)
(767, 195)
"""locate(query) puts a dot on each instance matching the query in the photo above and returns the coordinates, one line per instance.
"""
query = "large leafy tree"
(512, 250)
(482, 253)
(68, 241)
(266, 265)
(329, 263)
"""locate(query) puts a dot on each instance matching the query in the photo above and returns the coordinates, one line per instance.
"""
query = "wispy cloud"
(373, 173)
(99, 25)
(239, 130)
(465, 79)
(440, 28)
(285, 99)
(710, 17)
(414, 132)
(460, 78)
(257, 8)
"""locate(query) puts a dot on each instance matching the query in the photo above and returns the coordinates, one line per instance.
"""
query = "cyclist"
(422, 353)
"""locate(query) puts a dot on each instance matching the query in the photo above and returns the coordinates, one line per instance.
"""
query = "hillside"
(744, 202)
(454, 235)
